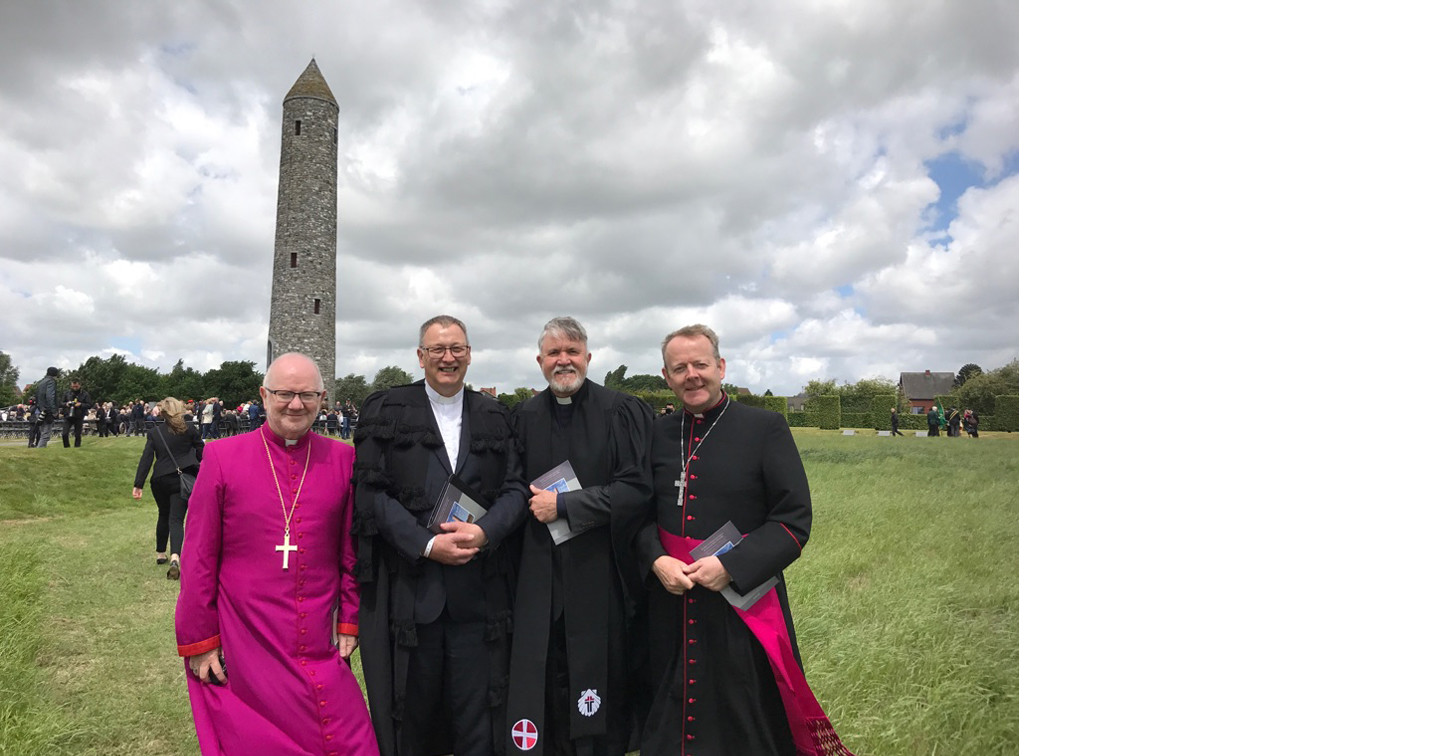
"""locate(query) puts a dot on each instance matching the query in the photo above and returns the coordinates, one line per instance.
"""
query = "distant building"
(920, 389)
(796, 403)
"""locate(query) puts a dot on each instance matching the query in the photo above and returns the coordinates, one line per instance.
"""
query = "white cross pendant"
(680, 494)
(285, 551)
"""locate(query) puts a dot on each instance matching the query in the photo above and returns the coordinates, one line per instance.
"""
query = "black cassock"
(578, 585)
(714, 689)
(401, 467)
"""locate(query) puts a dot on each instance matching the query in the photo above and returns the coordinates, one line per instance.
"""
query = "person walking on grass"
(173, 447)
(46, 407)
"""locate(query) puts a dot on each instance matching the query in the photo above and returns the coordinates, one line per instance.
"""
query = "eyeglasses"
(285, 397)
(438, 352)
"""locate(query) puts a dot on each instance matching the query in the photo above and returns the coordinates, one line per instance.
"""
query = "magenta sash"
(810, 728)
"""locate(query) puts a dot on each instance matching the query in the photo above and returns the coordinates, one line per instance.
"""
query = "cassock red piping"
(191, 649)
(793, 538)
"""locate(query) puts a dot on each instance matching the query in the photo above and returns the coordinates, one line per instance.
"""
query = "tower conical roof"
(312, 84)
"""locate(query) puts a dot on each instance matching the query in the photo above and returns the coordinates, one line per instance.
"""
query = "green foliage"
(772, 403)
(800, 419)
(880, 406)
(1007, 413)
(100, 377)
(979, 392)
(234, 382)
(140, 382)
(183, 383)
(635, 384)
(9, 382)
(966, 373)
(390, 376)
(351, 388)
(826, 410)
(821, 388)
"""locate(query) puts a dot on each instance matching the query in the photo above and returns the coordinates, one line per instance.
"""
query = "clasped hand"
(458, 543)
(678, 577)
(544, 504)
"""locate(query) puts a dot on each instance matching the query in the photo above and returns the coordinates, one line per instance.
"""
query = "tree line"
(116, 379)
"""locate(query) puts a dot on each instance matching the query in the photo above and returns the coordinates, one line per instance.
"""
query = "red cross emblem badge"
(589, 702)
(525, 735)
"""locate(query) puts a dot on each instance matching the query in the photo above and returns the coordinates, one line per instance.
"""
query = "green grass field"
(906, 601)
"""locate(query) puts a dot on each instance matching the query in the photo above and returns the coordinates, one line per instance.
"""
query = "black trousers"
(170, 522)
(446, 689)
(78, 423)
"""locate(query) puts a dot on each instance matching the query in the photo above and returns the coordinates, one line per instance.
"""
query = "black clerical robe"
(579, 585)
(714, 689)
(401, 467)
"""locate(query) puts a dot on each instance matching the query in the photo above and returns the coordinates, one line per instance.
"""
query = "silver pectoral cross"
(680, 494)
(285, 551)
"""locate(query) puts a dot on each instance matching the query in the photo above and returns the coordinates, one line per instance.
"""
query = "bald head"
(292, 392)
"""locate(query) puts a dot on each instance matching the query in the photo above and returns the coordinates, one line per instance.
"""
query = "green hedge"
(800, 419)
(880, 406)
(856, 420)
(1007, 413)
(826, 410)
(772, 403)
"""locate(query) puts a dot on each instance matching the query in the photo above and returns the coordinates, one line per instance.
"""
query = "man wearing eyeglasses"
(267, 615)
(435, 607)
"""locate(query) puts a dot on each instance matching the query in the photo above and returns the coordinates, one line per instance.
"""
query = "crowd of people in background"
(80, 416)
(954, 422)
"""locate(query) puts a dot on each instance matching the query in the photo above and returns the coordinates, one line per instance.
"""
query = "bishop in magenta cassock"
(268, 607)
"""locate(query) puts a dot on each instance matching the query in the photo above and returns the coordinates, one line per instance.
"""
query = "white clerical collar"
(285, 442)
(564, 399)
(437, 398)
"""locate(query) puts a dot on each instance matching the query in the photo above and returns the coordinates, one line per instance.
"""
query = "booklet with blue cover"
(719, 542)
(457, 503)
(560, 478)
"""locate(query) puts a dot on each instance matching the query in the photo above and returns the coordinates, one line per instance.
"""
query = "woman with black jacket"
(173, 446)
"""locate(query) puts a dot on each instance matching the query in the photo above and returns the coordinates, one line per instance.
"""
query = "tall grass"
(906, 599)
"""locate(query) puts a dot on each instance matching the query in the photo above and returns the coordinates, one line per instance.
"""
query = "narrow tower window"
(293, 256)
(317, 307)
(297, 128)
(335, 136)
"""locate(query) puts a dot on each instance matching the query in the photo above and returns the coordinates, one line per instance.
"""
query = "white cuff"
(428, 544)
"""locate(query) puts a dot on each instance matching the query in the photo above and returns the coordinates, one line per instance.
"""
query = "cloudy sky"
(832, 186)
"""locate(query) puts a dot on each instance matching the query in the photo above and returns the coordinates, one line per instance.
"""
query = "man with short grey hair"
(575, 602)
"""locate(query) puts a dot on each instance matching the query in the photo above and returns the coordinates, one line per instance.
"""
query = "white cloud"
(640, 167)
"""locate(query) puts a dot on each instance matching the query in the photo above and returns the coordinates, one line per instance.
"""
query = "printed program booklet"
(560, 478)
(457, 503)
(719, 542)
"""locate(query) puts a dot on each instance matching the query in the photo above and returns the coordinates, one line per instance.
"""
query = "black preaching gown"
(606, 439)
(715, 694)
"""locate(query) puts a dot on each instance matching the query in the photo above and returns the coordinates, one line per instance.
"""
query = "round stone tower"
(302, 288)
